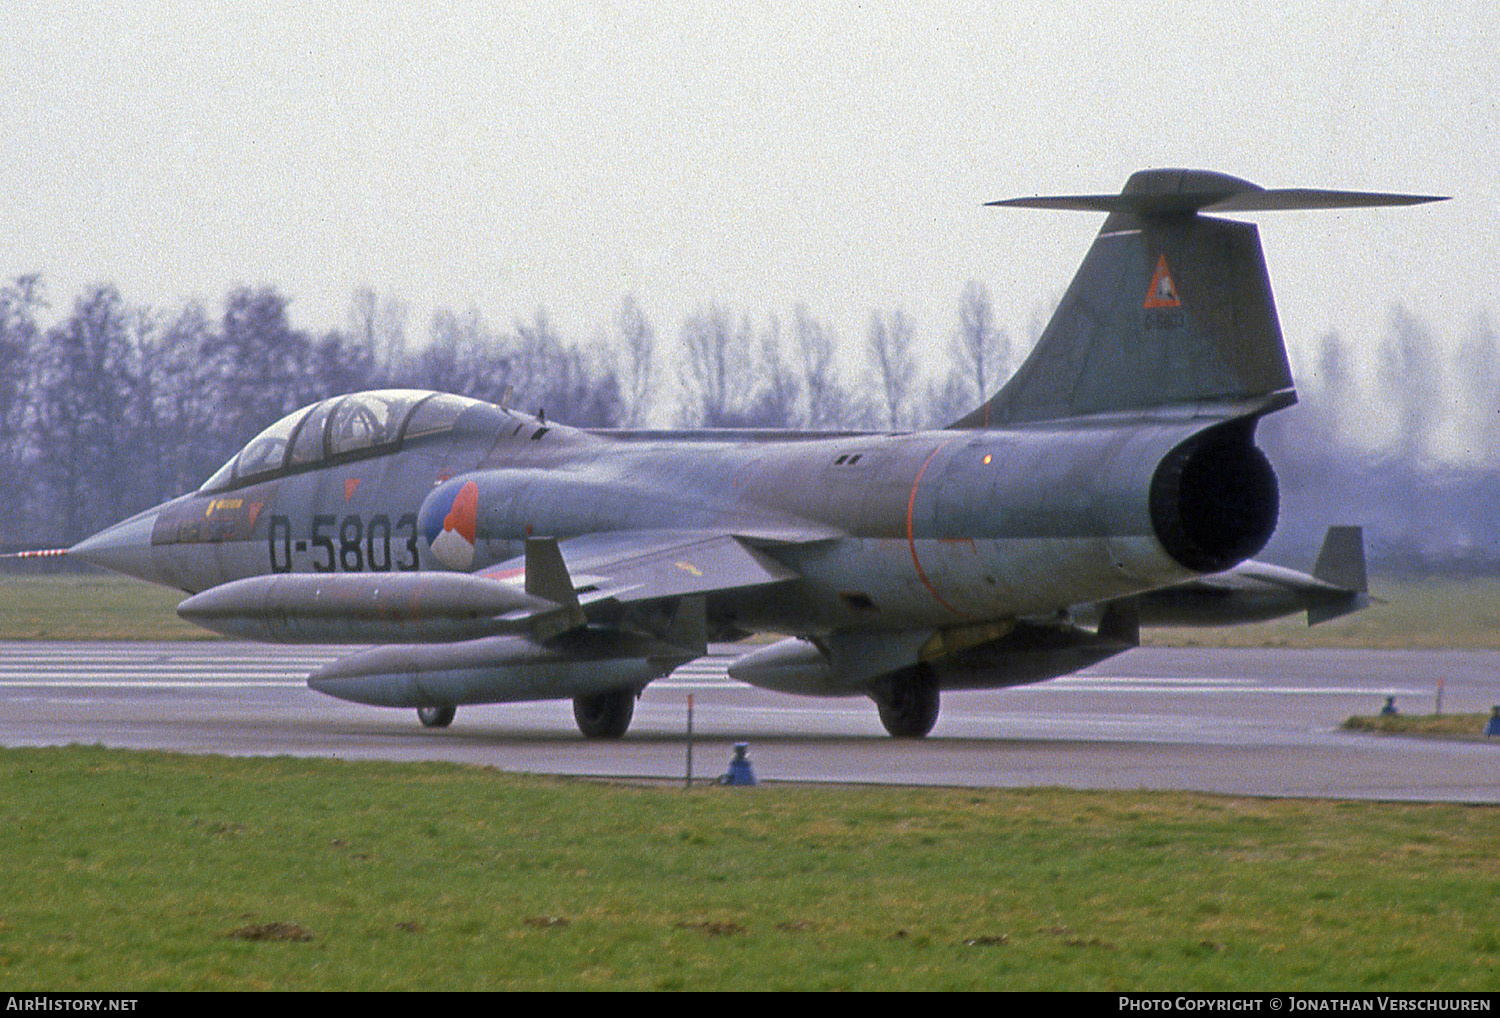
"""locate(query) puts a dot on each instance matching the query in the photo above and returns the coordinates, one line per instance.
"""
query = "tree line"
(115, 407)
(1401, 434)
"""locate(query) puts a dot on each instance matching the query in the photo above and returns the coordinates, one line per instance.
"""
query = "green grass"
(91, 607)
(139, 871)
(1464, 727)
(1429, 614)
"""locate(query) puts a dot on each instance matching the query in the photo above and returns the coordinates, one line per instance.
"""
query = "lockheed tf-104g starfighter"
(493, 556)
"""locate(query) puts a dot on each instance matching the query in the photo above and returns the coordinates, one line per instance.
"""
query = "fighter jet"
(494, 556)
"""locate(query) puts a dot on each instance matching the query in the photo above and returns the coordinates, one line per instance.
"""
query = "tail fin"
(1169, 309)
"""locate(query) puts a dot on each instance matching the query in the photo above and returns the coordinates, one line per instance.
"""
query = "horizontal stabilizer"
(1179, 192)
(1257, 591)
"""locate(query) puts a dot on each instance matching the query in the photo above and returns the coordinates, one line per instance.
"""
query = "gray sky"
(509, 156)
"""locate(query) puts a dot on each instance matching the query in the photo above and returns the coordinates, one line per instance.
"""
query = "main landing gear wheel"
(908, 702)
(436, 717)
(604, 715)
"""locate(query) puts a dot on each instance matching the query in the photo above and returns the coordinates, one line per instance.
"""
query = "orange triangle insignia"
(1163, 292)
(350, 484)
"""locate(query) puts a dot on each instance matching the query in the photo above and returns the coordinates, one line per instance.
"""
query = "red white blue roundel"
(449, 523)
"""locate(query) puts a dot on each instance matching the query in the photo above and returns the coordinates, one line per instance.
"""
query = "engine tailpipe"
(1214, 499)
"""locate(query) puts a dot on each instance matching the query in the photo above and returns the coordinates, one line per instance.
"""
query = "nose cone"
(124, 548)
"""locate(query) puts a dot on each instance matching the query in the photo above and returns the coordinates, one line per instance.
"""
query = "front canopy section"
(338, 429)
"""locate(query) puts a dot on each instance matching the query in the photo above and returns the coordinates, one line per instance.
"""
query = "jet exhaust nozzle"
(1214, 500)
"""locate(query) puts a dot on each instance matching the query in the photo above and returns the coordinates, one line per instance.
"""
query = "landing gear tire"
(436, 717)
(604, 715)
(908, 703)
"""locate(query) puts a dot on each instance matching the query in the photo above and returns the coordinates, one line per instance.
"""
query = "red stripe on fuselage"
(911, 540)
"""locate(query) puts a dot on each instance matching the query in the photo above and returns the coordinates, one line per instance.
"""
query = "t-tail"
(1171, 312)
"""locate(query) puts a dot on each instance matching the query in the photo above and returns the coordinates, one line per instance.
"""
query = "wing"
(628, 569)
(542, 648)
(637, 566)
(550, 590)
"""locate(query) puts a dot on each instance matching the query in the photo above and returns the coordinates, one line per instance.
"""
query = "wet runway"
(1260, 722)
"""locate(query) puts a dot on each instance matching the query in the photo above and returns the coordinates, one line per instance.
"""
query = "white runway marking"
(1209, 686)
(1242, 722)
(109, 682)
(209, 667)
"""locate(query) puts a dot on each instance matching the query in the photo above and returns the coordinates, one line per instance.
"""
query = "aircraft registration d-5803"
(493, 556)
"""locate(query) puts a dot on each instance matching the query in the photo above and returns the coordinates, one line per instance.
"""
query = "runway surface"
(1258, 722)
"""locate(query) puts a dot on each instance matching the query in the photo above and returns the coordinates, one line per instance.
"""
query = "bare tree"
(462, 356)
(338, 363)
(715, 372)
(637, 350)
(893, 366)
(261, 359)
(380, 328)
(1478, 365)
(828, 403)
(1411, 372)
(981, 348)
(363, 314)
(560, 379)
(776, 395)
(188, 396)
(83, 391)
(538, 361)
(19, 303)
(1325, 404)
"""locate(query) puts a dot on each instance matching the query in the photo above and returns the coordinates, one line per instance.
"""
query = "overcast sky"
(757, 154)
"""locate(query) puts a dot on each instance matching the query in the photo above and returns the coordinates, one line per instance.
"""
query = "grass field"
(1463, 727)
(136, 871)
(90, 607)
(131, 871)
(1429, 614)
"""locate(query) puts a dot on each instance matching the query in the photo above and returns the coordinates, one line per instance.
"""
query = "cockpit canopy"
(341, 428)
